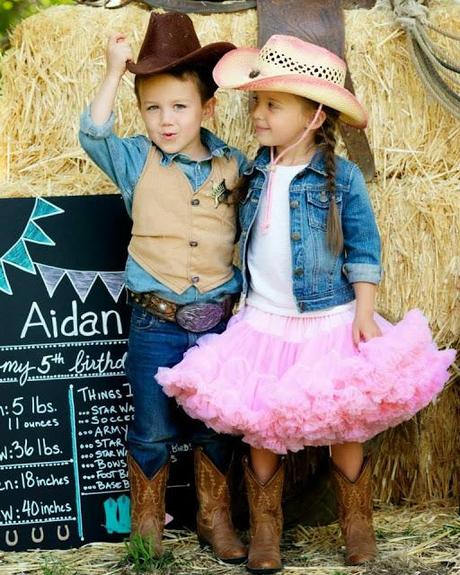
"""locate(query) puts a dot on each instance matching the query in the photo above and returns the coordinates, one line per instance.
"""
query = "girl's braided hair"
(325, 139)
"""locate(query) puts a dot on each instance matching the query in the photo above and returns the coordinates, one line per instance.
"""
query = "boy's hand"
(117, 54)
(364, 329)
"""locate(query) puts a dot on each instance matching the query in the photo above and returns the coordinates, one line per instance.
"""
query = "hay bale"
(409, 133)
(419, 222)
(419, 460)
(45, 85)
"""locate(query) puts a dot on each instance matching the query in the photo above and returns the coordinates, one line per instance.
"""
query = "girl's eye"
(180, 106)
(152, 108)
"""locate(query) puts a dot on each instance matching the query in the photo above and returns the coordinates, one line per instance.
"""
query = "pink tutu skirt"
(286, 382)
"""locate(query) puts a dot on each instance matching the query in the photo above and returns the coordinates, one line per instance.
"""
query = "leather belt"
(194, 317)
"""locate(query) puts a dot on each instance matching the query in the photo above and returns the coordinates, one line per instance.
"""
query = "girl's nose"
(256, 110)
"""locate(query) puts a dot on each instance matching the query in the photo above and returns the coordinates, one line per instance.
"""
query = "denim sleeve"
(244, 164)
(361, 236)
(121, 159)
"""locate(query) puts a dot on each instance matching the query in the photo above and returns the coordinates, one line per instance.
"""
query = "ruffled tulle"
(284, 383)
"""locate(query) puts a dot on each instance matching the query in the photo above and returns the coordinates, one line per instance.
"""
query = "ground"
(423, 540)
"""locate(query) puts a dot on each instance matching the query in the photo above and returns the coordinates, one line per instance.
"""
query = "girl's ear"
(208, 108)
(319, 120)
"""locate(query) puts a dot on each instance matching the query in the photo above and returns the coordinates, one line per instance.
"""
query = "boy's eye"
(180, 106)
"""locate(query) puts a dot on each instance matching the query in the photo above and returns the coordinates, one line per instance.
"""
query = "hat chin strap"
(273, 164)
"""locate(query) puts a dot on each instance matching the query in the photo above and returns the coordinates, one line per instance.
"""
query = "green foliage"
(141, 557)
(13, 11)
(53, 566)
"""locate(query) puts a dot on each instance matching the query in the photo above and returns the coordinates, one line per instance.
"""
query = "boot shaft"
(266, 521)
(354, 497)
(354, 501)
(147, 498)
(211, 485)
(214, 522)
(265, 499)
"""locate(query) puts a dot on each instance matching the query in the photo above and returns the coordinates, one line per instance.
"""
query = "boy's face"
(172, 111)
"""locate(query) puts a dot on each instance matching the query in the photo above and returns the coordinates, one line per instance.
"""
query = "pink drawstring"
(272, 168)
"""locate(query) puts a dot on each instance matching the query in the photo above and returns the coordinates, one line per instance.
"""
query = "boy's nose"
(166, 117)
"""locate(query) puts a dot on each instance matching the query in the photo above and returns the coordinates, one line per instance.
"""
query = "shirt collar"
(317, 163)
(217, 148)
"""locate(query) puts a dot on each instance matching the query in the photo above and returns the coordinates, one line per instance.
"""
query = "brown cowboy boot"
(148, 504)
(354, 501)
(213, 522)
(266, 521)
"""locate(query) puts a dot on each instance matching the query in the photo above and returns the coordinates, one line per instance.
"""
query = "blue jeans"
(158, 421)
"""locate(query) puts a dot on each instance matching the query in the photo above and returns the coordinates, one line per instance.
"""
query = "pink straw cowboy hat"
(287, 64)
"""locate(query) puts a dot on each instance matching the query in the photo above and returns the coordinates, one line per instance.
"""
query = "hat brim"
(205, 57)
(235, 68)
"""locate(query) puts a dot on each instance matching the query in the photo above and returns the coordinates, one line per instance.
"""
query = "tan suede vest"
(182, 237)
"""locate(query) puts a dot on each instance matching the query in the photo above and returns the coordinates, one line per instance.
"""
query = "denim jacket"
(320, 279)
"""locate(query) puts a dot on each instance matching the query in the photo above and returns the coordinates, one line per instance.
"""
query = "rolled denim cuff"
(98, 132)
(369, 273)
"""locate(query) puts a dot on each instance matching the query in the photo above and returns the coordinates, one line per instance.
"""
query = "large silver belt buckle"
(198, 317)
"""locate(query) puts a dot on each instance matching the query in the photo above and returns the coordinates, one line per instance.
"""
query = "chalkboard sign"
(65, 403)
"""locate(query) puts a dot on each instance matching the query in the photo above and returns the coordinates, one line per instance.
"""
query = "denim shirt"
(320, 279)
(123, 160)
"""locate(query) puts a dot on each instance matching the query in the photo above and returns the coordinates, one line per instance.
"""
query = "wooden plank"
(201, 6)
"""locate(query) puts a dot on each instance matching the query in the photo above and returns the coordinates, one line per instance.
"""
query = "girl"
(306, 361)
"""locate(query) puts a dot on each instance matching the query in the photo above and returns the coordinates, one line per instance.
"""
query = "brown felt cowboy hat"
(170, 42)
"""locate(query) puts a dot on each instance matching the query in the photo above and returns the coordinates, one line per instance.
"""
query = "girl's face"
(280, 119)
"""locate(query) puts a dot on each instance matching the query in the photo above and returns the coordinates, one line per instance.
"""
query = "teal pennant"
(18, 255)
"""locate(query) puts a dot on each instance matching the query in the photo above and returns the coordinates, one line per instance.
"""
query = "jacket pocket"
(252, 190)
(318, 206)
(248, 206)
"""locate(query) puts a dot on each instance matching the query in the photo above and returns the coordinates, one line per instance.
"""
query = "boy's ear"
(208, 108)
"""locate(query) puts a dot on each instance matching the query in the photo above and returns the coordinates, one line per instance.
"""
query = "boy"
(177, 186)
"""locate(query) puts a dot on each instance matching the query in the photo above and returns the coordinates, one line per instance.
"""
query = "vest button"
(294, 204)
(295, 236)
(195, 202)
(298, 271)
(195, 279)
(193, 244)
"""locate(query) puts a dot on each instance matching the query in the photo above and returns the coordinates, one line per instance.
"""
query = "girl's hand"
(364, 328)
(117, 54)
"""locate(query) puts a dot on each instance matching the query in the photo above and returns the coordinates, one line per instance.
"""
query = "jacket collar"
(317, 163)
(216, 147)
